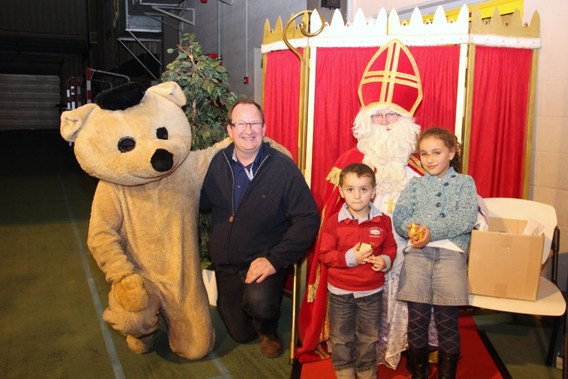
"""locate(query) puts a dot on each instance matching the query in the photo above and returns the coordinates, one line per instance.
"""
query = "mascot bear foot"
(141, 345)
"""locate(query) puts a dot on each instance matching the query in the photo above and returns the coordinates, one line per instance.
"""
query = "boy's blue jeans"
(354, 330)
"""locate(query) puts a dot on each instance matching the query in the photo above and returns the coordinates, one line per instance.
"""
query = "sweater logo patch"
(375, 232)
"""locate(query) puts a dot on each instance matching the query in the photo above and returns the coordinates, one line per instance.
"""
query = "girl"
(436, 213)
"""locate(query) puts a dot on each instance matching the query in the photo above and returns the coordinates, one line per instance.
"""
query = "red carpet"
(476, 362)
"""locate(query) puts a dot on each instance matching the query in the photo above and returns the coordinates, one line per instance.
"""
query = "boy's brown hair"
(361, 170)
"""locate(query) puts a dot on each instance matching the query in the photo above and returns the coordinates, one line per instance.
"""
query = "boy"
(358, 246)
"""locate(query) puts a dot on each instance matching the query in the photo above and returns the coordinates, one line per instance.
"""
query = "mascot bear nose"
(162, 160)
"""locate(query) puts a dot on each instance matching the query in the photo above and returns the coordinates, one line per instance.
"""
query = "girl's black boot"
(447, 365)
(418, 362)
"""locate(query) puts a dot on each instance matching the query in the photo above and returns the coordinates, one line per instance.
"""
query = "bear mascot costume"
(143, 226)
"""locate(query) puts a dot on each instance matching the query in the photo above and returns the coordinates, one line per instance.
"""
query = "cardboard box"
(503, 262)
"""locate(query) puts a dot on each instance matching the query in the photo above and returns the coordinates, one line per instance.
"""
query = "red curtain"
(438, 66)
(281, 98)
(338, 72)
(499, 119)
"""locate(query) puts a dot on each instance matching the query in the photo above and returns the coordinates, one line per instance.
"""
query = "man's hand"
(259, 270)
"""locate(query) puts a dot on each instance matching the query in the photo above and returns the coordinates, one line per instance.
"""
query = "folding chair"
(550, 300)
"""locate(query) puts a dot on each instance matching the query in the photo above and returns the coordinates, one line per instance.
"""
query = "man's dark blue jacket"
(277, 217)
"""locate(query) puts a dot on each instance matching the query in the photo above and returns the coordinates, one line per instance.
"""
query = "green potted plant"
(205, 83)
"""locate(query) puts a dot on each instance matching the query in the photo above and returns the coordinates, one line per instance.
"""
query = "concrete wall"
(220, 28)
(227, 30)
(549, 182)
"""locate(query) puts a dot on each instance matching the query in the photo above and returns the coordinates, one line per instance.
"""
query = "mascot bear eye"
(126, 144)
(162, 133)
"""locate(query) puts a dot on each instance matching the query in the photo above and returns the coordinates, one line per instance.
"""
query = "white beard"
(387, 151)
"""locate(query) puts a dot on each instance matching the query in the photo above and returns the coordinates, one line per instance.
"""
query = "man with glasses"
(264, 219)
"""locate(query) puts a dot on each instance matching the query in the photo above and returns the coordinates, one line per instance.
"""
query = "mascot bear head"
(137, 145)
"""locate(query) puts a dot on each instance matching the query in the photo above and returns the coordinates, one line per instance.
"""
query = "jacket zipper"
(232, 216)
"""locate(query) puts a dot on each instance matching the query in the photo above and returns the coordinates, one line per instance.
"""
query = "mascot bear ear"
(72, 121)
(121, 97)
(171, 91)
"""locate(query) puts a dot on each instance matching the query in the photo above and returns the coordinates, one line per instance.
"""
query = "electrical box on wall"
(331, 4)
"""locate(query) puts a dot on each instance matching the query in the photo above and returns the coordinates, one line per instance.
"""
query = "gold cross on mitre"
(391, 78)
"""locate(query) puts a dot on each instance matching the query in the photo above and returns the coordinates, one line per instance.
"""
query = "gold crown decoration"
(272, 35)
(509, 25)
(278, 34)
(391, 79)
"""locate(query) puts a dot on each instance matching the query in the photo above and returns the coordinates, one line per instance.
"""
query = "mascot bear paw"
(131, 294)
(132, 309)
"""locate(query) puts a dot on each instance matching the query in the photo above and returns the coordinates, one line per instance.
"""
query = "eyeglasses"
(241, 125)
(388, 116)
